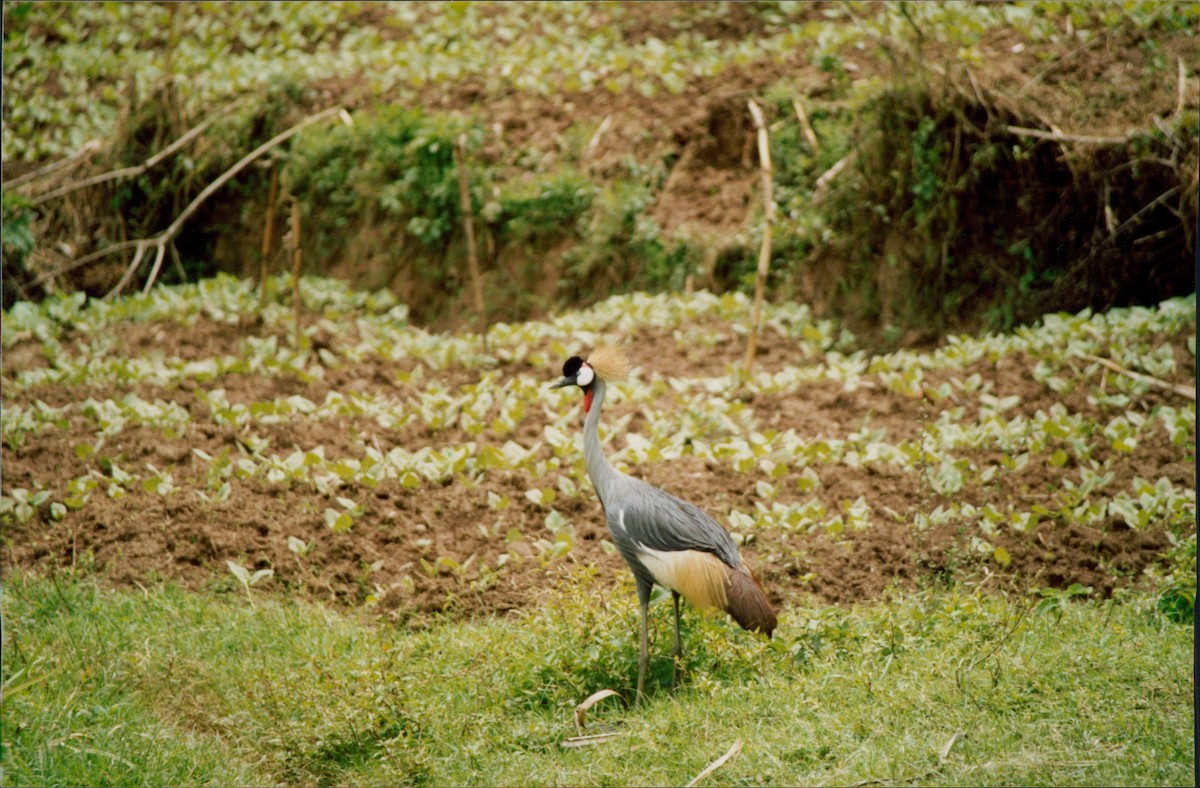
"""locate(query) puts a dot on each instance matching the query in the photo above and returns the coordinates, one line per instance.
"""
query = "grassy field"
(163, 687)
(436, 594)
(327, 534)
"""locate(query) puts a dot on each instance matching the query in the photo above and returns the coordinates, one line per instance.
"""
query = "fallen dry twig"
(594, 142)
(717, 764)
(1183, 391)
(586, 740)
(944, 753)
(597, 738)
(592, 700)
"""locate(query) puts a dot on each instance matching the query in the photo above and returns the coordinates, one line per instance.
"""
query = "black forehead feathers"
(571, 366)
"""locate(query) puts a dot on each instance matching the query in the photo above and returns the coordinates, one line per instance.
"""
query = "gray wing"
(661, 521)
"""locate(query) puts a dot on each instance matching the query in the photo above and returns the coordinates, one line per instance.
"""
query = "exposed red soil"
(395, 545)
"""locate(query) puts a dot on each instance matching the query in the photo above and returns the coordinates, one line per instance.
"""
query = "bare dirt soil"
(142, 537)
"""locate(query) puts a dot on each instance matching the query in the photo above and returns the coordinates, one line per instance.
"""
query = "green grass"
(168, 687)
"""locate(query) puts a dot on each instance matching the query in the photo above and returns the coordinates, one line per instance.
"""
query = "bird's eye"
(585, 376)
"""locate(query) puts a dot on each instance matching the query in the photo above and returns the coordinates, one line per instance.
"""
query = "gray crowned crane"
(663, 539)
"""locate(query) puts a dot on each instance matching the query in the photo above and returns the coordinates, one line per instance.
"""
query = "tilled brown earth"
(441, 547)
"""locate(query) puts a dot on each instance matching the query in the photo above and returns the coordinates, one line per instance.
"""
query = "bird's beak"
(564, 382)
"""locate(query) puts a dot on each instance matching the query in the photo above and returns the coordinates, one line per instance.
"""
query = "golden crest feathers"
(610, 363)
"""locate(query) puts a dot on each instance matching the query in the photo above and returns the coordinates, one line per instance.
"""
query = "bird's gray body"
(648, 517)
(642, 516)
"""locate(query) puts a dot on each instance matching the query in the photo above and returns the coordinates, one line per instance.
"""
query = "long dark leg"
(677, 654)
(643, 590)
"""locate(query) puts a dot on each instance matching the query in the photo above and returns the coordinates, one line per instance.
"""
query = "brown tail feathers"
(747, 602)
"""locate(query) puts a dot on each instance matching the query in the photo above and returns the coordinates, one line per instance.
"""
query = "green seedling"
(247, 579)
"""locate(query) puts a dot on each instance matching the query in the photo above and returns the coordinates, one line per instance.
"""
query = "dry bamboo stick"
(1180, 88)
(821, 189)
(464, 196)
(266, 244)
(295, 243)
(764, 252)
(810, 136)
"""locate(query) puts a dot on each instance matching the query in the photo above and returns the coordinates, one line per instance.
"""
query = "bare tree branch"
(245, 162)
(129, 172)
(1058, 136)
(158, 261)
(89, 147)
(137, 261)
(161, 240)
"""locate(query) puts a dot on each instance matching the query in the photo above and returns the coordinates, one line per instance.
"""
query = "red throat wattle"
(587, 399)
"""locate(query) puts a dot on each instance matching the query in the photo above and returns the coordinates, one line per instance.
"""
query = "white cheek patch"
(585, 376)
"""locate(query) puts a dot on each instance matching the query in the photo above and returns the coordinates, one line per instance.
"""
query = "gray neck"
(599, 471)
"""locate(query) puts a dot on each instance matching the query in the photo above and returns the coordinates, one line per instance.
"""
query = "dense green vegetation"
(163, 687)
(967, 225)
(69, 71)
(323, 534)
